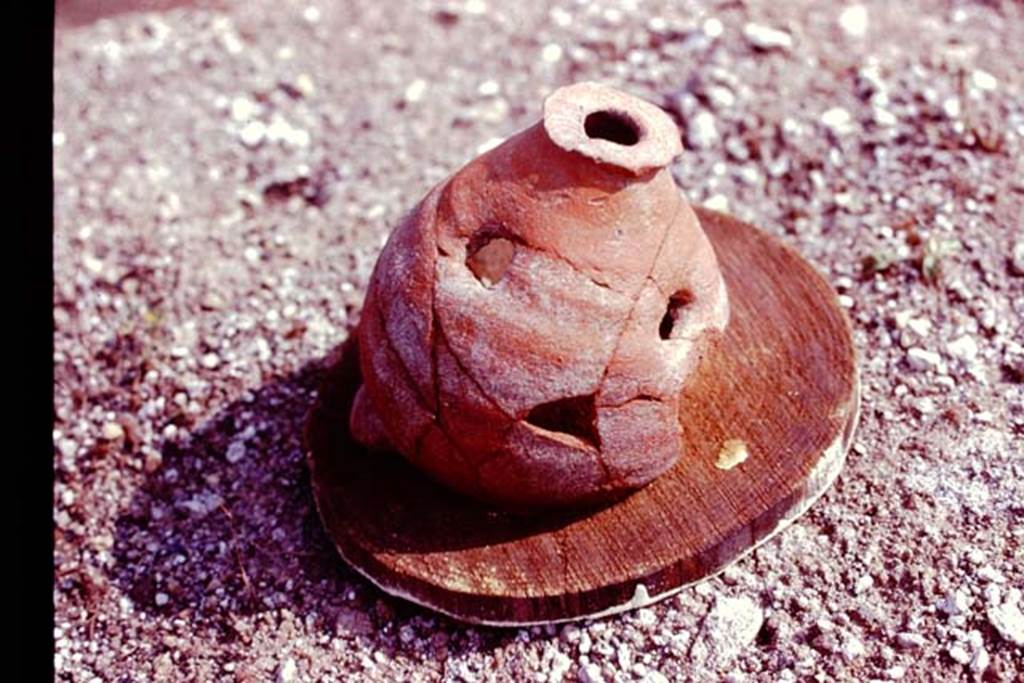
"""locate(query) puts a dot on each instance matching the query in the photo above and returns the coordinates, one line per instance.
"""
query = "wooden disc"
(767, 419)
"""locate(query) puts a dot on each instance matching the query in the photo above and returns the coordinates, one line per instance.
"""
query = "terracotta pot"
(529, 326)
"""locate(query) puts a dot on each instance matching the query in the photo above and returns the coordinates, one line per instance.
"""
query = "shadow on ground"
(216, 539)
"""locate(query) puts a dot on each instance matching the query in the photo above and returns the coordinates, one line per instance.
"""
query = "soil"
(225, 174)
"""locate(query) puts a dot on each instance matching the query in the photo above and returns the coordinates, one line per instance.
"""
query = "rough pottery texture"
(529, 326)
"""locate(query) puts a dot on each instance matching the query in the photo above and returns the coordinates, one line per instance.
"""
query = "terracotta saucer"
(770, 413)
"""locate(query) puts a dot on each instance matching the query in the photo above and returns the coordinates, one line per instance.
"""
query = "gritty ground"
(225, 174)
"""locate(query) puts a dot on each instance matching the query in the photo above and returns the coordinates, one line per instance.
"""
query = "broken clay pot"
(530, 325)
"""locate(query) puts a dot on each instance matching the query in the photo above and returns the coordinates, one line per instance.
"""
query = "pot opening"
(613, 126)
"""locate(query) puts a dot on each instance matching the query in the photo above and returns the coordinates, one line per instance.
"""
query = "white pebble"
(837, 119)
(963, 347)
(720, 97)
(920, 359)
(718, 202)
(896, 673)
(560, 665)
(591, 673)
(766, 37)
(854, 21)
(851, 648)
(112, 431)
(489, 88)
(983, 80)
(551, 53)
(712, 27)
(883, 117)
(863, 583)
(210, 361)
(287, 672)
(235, 452)
(980, 661)
(304, 84)
(958, 653)
(951, 107)
(1008, 620)
(955, 603)
(252, 133)
(415, 91)
(244, 109)
(990, 574)
(909, 641)
(701, 132)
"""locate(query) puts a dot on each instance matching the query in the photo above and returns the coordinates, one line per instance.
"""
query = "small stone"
(718, 202)
(920, 359)
(353, 622)
(212, 301)
(202, 504)
(415, 91)
(112, 431)
(983, 80)
(958, 653)
(720, 97)
(895, 673)
(909, 641)
(883, 117)
(731, 625)
(560, 664)
(767, 38)
(161, 599)
(922, 327)
(654, 677)
(287, 672)
(590, 673)
(701, 132)
(980, 661)
(853, 20)
(235, 452)
(712, 28)
(646, 617)
(152, 461)
(951, 107)
(489, 88)
(304, 84)
(1017, 258)
(837, 120)
(863, 583)
(243, 109)
(990, 574)
(252, 133)
(956, 602)
(1007, 619)
(851, 648)
(964, 347)
(210, 361)
(551, 53)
